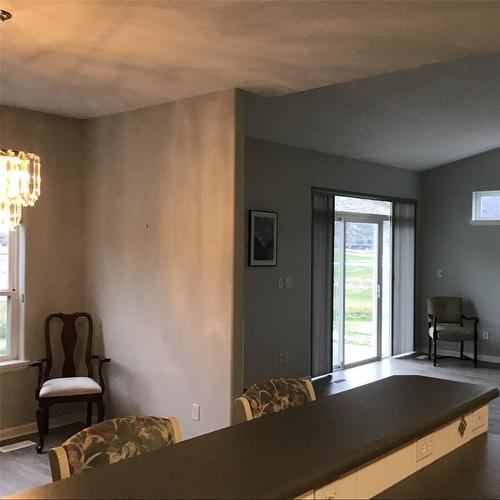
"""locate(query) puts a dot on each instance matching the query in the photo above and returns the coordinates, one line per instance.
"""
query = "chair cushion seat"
(451, 331)
(69, 386)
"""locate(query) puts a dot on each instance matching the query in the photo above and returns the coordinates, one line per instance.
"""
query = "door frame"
(378, 220)
(369, 196)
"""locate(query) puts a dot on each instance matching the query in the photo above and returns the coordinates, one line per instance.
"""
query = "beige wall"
(137, 224)
(239, 251)
(161, 193)
(55, 277)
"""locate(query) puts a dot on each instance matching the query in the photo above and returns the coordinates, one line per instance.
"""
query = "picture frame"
(263, 238)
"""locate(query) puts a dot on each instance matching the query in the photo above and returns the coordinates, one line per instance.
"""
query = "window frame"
(477, 196)
(15, 296)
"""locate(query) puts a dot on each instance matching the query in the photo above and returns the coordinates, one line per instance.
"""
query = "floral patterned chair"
(271, 397)
(111, 441)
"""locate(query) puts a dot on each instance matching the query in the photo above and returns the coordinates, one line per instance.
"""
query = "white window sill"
(14, 365)
(485, 222)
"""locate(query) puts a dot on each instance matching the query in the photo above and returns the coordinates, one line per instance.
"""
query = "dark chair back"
(445, 309)
(69, 338)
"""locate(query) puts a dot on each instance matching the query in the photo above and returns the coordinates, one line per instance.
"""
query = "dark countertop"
(472, 471)
(287, 454)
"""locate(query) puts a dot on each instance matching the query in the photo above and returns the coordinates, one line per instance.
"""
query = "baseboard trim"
(447, 352)
(30, 428)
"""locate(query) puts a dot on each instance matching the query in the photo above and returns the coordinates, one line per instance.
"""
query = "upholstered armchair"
(447, 322)
(68, 387)
(271, 397)
(111, 441)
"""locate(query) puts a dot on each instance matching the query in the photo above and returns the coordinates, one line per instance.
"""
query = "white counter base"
(382, 473)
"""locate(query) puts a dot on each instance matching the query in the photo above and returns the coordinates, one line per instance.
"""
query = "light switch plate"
(195, 412)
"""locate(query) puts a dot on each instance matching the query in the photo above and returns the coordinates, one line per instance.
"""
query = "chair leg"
(41, 420)
(462, 350)
(47, 415)
(89, 413)
(435, 351)
(100, 411)
(475, 353)
(430, 347)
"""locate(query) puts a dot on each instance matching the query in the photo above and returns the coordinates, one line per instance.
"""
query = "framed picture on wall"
(263, 238)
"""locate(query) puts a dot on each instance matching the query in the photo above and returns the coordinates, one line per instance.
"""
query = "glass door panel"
(387, 289)
(361, 292)
(338, 295)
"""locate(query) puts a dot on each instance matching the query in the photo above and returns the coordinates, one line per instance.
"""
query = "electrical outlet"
(288, 282)
(424, 447)
(282, 358)
(486, 335)
(195, 411)
(281, 282)
(439, 273)
(287, 356)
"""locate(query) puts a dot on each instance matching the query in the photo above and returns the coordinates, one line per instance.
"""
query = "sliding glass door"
(362, 280)
(361, 288)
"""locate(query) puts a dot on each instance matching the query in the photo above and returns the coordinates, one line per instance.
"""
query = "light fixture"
(4, 15)
(19, 185)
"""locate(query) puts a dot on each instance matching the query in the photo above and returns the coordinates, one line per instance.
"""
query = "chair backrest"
(271, 397)
(111, 441)
(445, 309)
(69, 338)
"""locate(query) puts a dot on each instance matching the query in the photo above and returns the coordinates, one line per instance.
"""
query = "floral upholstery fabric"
(275, 395)
(117, 439)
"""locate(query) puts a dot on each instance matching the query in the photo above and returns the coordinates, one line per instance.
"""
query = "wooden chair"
(68, 387)
(111, 441)
(446, 322)
(271, 397)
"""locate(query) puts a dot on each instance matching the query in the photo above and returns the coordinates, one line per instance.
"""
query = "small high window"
(486, 207)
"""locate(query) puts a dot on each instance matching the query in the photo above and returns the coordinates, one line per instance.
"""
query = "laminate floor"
(23, 468)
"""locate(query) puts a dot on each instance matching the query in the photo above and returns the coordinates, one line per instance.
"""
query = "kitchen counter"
(288, 454)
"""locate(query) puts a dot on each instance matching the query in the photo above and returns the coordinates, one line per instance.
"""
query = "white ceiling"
(415, 119)
(88, 58)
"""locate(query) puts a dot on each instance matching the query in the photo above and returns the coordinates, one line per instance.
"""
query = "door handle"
(379, 290)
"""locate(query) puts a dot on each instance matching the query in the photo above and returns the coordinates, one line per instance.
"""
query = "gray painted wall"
(468, 255)
(279, 178)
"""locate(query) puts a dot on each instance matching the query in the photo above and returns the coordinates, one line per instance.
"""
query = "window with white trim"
(10, 303)
(486, 207)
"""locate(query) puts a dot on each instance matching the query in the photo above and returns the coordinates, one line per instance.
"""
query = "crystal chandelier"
(19, 185)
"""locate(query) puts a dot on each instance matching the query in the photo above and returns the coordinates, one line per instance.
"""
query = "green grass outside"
(358, 297)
